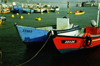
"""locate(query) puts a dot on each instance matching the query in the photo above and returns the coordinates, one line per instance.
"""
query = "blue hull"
(29, 34)
(28, 10)
(17, 9)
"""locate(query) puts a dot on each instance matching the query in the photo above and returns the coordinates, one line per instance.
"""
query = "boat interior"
(93, 31)
(62, 24)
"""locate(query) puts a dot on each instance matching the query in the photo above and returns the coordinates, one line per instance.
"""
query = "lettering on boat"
(25, 30)
(68, 41)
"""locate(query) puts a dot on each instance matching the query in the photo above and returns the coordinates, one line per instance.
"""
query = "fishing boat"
(82, 38)
(40, 34)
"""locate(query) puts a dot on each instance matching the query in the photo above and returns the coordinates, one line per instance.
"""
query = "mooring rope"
(36, 53)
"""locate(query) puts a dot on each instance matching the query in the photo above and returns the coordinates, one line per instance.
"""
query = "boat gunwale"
(74, 36)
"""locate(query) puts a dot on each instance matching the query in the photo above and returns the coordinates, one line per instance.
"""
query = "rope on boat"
(36, 53)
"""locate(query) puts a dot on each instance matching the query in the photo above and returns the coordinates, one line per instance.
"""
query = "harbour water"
(15, 52)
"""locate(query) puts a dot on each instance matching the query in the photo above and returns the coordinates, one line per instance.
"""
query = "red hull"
(73, 43)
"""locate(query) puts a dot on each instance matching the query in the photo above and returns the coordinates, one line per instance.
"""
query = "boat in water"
(82, 38)
(40, 34)
(77, 39)
(27, 10)
(79, 12)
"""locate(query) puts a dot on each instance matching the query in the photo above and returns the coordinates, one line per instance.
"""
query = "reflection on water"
(49, 56)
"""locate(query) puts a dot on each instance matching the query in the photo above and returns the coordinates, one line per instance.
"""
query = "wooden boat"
(80, 13)
(78, 39)
(40, 34)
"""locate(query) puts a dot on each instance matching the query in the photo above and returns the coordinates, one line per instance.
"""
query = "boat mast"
(98, 14)
(68, 9)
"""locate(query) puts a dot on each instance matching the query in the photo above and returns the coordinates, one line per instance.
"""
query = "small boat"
(40, 10)
(79, 4)
(3, 18)
(79, 13)
(82, 38)
(17, 9)
(55, 9)
(5, 11)
(40, 34)
(27, 10)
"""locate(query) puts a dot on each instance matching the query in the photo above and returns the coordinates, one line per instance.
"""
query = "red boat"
(77, 40)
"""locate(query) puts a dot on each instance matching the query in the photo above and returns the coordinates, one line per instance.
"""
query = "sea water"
(15, 52)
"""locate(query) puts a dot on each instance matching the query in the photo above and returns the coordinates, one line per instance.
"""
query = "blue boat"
(27, 10)
(31, 34)
(17, 9)
(40, 34)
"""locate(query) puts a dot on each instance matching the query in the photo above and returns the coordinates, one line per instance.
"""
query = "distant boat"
(5, 11)
(40, 10)
(55, 9)
(80, 13)
(17, 9)
(27, 10)
(40, 34)
(91, 3)
(79, 4)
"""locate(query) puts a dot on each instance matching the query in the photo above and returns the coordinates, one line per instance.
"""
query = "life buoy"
(86, 34)
(88, 41)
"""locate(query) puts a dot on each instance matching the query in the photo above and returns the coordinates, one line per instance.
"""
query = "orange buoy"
(86, 34)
